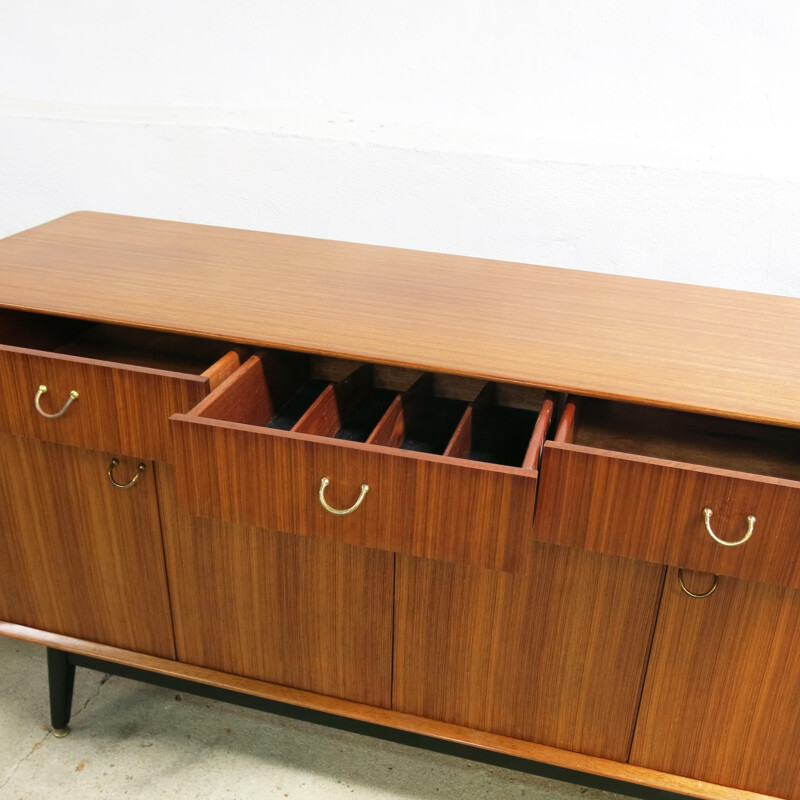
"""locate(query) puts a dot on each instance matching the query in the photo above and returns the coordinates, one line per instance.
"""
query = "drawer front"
(650, 509)
(120, 409)
(421, 505)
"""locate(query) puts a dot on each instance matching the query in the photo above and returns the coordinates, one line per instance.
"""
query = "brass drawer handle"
(114, 462)
(692, 594)
(751, 524)
(73, 396)
(340, 512)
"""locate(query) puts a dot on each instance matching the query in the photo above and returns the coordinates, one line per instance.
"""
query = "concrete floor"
(133, 740)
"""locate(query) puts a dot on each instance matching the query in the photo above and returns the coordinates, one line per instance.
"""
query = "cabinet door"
(722, 694)
(555, 656)
(294, 610)
(81, 557)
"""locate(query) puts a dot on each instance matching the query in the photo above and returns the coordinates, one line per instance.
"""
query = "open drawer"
(704, 493)
(427, 465)
(102, 387)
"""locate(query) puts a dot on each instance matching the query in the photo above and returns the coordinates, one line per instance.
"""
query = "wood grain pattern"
(565, 432)
(534, 452)
(406, 409)
(689, 347)
(121, 409)
(243, 397)
(391, 430)
(328, 412)
(722, 698)
(641, 776)
(460, 443)
(80, 557)
(222, 369)
(418, 504)
(302, 612)
(461, 440)
(538, 656)
(651, 509)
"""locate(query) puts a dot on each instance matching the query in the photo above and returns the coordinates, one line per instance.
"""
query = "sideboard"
(544, 513)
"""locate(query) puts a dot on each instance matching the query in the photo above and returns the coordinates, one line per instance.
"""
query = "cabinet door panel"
(80, 557)
(556, 656)
(722, 695)
(298, 611)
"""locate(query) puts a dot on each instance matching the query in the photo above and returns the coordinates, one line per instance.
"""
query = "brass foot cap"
(60, 733)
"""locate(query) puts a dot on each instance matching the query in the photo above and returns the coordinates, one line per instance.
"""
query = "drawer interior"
(374, 404)
(682, 436)
(169, 352)
(495, 433)
(348, 409)
(421, 419)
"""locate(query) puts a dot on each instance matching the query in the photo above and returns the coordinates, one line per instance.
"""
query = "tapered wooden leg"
(61, 679)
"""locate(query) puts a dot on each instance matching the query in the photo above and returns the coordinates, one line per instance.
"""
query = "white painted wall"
(637, 137)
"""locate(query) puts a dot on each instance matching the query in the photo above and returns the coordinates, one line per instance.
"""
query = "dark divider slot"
(348, 409)
(297, 405)
(366, 415)
(430, 428)
(252, 394)
(501, 435)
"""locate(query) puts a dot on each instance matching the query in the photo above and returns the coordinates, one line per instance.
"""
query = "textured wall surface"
(632, 137)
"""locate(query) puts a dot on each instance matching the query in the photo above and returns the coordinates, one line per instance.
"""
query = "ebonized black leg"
(61, 679)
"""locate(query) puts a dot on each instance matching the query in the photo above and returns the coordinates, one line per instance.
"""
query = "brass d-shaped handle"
(751, 524)
(132, 482)
(73, 396)
(340, 512)
(692, 594)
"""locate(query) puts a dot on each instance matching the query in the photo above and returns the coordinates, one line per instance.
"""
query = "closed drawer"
(637, 482)
(105, 387)
(426, 465)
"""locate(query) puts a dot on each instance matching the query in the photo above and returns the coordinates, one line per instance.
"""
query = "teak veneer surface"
(302, 612)
(650, 509)
(429, 506)
(79, 556)
(555, 656)
(120, 408)
(689, 347)
(722, 694)
(418, 503)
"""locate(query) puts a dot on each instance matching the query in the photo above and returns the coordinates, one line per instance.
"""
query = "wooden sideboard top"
(695, 348)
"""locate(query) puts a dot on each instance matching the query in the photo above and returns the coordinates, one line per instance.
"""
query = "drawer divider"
(337, 401)
(543, 422)
(460, 442)
(222, 368)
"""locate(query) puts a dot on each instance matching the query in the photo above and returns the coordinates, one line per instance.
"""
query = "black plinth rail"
(61, 673)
